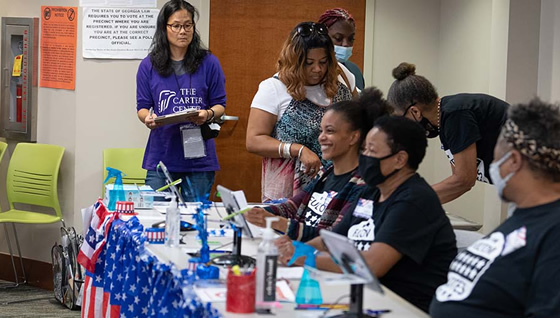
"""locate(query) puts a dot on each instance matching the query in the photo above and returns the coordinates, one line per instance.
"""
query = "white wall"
(472, 50)
(549, 46)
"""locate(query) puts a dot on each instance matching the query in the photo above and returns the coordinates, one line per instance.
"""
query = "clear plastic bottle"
(172, 223)
(267, 258)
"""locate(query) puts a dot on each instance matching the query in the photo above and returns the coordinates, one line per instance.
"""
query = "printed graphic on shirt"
(364, 209)
(317, 205)
(185, 99)
(480, 176)
(467, 268)
(515, 240)
(362, 234)
(164, 97)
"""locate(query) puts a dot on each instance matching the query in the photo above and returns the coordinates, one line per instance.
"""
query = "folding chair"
(32, 179)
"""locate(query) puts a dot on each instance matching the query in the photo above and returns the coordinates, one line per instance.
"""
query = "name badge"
(364, 209)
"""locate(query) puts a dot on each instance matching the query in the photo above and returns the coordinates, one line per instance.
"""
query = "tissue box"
(132, 194)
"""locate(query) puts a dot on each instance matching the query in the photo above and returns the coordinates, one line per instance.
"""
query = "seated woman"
(515, 270)
(327, 199)
(403, 232)
(287, 109)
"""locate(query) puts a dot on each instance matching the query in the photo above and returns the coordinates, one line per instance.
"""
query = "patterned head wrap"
(541, 156)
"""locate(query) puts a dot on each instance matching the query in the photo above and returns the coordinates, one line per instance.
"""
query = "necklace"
(438, 115)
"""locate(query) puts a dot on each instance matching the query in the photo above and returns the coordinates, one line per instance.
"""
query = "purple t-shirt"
(167, 95)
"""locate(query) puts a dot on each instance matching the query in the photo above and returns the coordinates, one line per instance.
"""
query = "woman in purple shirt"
(179, 74)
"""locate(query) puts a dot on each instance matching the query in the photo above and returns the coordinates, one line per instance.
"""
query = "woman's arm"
(259, 141)
(208, 115)
(463, 177)
(380, 257)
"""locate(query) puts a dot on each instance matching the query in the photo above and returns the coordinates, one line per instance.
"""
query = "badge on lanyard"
(193, 144)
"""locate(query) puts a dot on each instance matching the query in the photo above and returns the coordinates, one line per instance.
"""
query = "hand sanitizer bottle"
(267, 258)
(172, 223)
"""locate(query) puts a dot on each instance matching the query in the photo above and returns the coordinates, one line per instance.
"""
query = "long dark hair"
(160, 54)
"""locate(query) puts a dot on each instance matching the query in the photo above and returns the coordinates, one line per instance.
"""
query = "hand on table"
(286, 250)
(257, 216)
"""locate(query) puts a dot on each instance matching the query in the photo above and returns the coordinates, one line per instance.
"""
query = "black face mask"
(431, 130)
(370, 170)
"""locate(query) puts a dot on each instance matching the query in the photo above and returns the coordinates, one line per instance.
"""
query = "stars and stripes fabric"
(127, 280)
(97, 221)
(94, 298)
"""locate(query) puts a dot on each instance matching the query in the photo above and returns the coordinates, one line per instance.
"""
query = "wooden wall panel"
(246, 36)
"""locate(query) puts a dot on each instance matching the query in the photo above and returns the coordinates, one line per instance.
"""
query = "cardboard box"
(131, 194)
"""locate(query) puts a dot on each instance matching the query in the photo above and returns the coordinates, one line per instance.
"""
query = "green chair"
(32, 179)
(128, 161)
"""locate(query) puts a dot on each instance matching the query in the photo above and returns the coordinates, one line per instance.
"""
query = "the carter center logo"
(164, 97)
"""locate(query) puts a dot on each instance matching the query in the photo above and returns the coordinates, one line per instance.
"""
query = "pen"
(236, 213)
(151, 113)
(321, 307)
(165, 187)
(377, 312)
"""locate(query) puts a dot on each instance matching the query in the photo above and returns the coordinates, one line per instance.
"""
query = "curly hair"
(363, 110)
(291, 63)
(160, 54)
(409, 88)
(534, 130)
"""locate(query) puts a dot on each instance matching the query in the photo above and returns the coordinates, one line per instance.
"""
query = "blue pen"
(377, 312)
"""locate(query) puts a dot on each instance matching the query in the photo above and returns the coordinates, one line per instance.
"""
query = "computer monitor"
(234, 201)
(350, 260)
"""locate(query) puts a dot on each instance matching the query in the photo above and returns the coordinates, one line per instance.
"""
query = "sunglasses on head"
(308, 28)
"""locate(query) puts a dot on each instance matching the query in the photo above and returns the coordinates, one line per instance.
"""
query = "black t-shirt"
(413, 222)
(468, 119)
(323, 192)
(512, 272)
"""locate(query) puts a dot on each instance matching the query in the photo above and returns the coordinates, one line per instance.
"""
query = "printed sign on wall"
(118, 33)
(59, 28)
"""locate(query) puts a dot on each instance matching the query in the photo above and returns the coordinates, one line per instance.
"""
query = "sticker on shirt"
(364, 209)
(467, 268)
(480, 176)
(362, 234)
(317, 205)
(515, 240)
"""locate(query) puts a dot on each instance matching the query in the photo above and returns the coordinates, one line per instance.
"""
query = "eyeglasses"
(406, 110)
(176, 27)
(308, 28)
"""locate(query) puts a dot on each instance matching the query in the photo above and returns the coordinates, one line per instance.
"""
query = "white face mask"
(497, 179)
(342, 53)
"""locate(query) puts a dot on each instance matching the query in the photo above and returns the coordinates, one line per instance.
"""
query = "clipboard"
(178, 117)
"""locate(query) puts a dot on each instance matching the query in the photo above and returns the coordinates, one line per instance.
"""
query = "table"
(460, 223)
(398, 306)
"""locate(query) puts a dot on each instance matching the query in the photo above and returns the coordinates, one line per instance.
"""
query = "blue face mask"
(342, 53)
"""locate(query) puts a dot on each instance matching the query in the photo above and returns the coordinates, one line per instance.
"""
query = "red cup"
(240, 294)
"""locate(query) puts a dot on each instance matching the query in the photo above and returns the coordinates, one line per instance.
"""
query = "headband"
(542, 156)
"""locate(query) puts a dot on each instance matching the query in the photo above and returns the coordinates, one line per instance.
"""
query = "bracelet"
(280, 149)
(287, 153)
(300, 151)
(213, 114)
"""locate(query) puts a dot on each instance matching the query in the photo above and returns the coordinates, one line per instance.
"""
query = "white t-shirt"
(273, 96)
